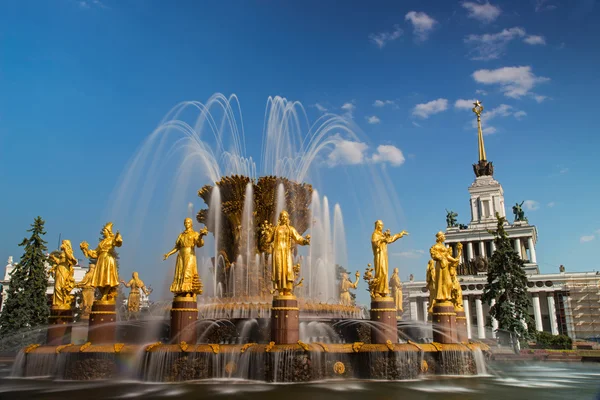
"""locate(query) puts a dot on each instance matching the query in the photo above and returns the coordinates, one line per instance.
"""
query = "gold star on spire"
(478, 109)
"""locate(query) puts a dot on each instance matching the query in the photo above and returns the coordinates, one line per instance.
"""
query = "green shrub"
(547, 340)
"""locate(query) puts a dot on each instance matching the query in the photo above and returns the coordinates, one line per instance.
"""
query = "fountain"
(273, 311)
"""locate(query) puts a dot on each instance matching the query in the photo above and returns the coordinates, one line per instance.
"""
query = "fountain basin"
(300, 362)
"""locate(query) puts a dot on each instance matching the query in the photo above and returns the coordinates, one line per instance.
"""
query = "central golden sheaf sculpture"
(232, 241)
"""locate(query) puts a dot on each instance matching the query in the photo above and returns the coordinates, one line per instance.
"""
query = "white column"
(531, 250)
(518, 247)
(537, 312)
(414, 315)
(470, 250)
(467, 308)
(480, 320)
(473, 209)
(494, 320)
(425, 307)
(568, 315)
(552, 313)
(482, 248)
(493, 248)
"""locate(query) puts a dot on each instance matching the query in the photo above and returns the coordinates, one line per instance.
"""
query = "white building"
(562, 303)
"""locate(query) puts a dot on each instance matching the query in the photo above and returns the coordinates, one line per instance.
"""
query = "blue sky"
(82, 83)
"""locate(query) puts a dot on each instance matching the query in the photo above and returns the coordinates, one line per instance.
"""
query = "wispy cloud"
(551, 204)
(514, 82)
(485, 13)
(481, 92)
(348, 109)
(503, 110)
(422, 24)
(320, 107)
(587, 238)
(410, 254)
(491, 46)
(373, 119)
(383, 103)
(349, 152)
(531, 205)
(520, 114)
(416, 124)
(91, 3)
(425, 110)
(383, 38)
(542, 5)
(463, 104)
(563, 171)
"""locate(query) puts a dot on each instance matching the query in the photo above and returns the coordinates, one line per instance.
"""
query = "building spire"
(477, 110)
(483, 167)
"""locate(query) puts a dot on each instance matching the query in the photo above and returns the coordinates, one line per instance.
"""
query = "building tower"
(487, 199)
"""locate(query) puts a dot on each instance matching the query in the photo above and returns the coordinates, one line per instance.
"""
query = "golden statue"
(345, 286)
(396, 286)
(283, 236)
(456, 292)
(88, 292)
(379, 242)
(442, 256)
(105, 277)
(136, 284)
(370, 279)
(430, 284)
(63, 276)
(186, 281)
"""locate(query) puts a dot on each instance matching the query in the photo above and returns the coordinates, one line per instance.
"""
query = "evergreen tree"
(507, 285)
(26, 309)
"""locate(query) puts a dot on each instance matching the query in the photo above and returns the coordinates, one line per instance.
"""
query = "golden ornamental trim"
(339, 368)
(269, 347)
(356, 346)
(118, 347)
(215, 348)
(85, 346)
(246, 347)
(183, 346)
(62, 346)
(31, 347)
(103, 312)
(150, 347)
(303, 345)
(285, 309)
(185, 309)
(444, 313)
(383, 309)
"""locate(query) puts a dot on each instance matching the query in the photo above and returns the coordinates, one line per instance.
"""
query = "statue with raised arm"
(444, 262)
(518, 212)
(186, 281)
(396, 286)
(88, 292)
(282, 237)
(105, 278)
(379, 242)
(456, 292)
(345, 285)
(136, 284)
(451, 219)
(62, 271)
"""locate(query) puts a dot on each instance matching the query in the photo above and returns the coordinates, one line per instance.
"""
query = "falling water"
(280, 203)
(247, 237)
(340, 256)
(214, 220)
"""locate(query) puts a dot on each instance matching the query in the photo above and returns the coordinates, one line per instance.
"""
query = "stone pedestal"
(285, 320)
(444, 323)
(103, 322)
(461, 327)
(59, 326)
(184, 318)
(383, 312)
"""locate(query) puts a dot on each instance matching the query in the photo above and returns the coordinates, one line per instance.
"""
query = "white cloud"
(410, 254)
(485, 13)
(563, 171)
(349, 109)
(490, 46)
(383, 103)
(489, 130)
(551, 204)
(422, 24)
(540, 5)
(515, 82)
(381, 39)
(320, 107)
(433, 107)
(347, 152)
(539, 98)
(535, 40)
(464, 104)
(587, 238)
(531, 205)
(388, 153)
(373, 119)
(481, 92)
(520, 114)
(91, 3)
(416, 124)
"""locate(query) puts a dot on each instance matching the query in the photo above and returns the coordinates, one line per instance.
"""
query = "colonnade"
(518, 243)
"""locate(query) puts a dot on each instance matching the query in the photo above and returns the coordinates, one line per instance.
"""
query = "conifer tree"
(507, 285)
(26, 309)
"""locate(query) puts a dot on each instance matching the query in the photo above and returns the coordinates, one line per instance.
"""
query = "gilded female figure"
(63, 275)
(345, 286)
(379, 242)
(136, 284)
(282, 237)
(443, 262)
(186, 281)
(396, 286)
(430, 283)
(105, 277)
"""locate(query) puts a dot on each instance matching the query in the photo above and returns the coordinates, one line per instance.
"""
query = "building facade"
(562, 303)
